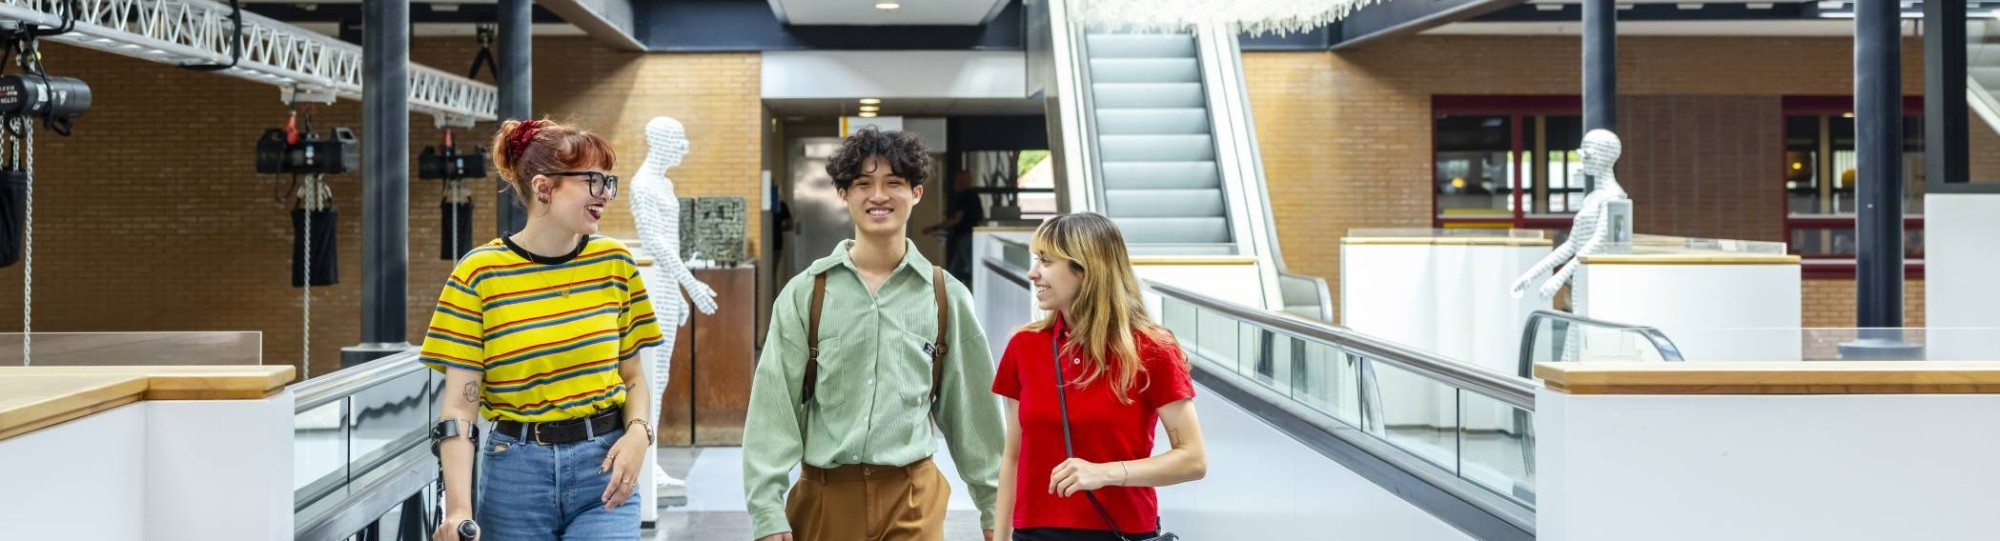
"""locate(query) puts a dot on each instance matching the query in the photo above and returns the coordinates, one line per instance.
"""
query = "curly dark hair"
(903, 150)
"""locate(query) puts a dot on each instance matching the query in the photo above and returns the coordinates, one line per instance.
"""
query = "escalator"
(1156, 150)
(1153, 130)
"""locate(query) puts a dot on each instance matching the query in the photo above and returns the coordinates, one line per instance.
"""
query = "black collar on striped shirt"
(546, 260)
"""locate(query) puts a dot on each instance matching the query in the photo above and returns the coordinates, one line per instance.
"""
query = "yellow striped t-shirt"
(547, 333)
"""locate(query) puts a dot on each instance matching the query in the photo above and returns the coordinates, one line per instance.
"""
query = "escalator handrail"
(372, 488)
(318, 391)
(1505, 388)
(1008, 272)
(1665, 346)
(1086, 99)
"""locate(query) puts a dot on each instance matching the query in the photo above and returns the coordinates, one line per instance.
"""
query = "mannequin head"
(1599, 152)
(666, 141)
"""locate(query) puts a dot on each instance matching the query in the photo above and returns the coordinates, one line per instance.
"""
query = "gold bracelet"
(650, 438)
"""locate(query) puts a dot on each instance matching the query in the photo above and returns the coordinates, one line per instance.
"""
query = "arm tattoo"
(1174, 437)
(472, 392)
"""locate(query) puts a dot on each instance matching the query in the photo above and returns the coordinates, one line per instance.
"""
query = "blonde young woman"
(541, 331)
(1120, 374)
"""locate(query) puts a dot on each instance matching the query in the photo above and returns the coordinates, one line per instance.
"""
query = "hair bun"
(522, 135)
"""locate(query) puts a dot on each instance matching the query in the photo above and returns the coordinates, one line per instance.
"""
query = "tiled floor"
(714, 510)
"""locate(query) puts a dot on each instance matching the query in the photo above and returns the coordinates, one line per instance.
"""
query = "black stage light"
(51, 97)
(435, 163)
(276, 154)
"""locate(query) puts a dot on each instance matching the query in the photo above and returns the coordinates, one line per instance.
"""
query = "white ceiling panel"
(905, 107)
(908, 12)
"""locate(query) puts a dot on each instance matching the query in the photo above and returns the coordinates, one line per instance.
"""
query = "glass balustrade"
(1457, 419)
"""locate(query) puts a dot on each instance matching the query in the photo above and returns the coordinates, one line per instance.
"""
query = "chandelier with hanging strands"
(1255, 17)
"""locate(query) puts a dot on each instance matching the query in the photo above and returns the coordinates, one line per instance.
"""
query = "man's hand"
(989, 535)
(624, 461)
(787, 536)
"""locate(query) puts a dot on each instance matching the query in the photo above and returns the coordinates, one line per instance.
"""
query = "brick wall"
(151, 217)
(1830, 303)
(1694, 165)
(717, 97)
(1346, 138)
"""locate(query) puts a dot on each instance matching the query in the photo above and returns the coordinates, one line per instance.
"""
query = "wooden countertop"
(33, 398)
(1702, 258)
(1447, 241)
(1746, 378)
(1195, 260)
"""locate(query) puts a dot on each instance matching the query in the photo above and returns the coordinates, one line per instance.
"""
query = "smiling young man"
(866, 348)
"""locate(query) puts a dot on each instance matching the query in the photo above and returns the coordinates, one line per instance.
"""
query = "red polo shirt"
(1103, 429)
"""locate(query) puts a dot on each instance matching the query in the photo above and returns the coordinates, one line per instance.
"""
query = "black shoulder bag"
(1062, 398)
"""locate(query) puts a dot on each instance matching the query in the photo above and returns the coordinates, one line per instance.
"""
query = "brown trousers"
(873, 503)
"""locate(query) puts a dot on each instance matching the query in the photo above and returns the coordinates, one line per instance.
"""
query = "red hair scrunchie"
(524, 134)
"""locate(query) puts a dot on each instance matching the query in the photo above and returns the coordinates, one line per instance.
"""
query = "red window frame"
(1517, 108)
(1826, 266)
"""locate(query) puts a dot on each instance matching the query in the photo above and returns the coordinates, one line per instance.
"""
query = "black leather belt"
(573, 430)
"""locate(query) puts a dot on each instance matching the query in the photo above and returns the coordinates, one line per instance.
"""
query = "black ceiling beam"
(419, 13)
(1405, 17)
(1652, 12)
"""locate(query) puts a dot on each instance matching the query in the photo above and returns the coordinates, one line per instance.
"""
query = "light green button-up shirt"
(872, 404)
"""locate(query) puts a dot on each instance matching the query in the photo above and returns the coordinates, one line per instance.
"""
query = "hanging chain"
(305, 333)
(451, 200)
(28, 255)
(312, 192)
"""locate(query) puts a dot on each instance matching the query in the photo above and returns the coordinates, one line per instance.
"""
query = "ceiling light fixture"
(871, 101)
(867, 114)
(887, 6)
(870, 108)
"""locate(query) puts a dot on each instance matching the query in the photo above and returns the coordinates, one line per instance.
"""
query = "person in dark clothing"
(967, 212)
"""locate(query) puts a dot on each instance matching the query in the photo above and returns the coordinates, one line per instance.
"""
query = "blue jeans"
(533, 492)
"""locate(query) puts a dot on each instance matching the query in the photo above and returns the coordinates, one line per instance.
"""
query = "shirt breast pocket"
(913, 357)
(834, 386)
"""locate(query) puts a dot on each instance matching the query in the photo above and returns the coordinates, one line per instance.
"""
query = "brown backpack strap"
(811, 383)
(938, 345)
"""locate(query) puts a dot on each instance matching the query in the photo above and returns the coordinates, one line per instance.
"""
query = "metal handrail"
(1662, 344)
(1086, 99)
(372, 487)
(1507, 389)
(318, 391)
(1225, 154)
(1008, 273)
(1322, 295)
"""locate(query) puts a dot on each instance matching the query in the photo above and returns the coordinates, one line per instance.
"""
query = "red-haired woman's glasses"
(601, 185)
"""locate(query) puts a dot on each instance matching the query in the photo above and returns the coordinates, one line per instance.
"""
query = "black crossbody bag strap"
(1069, 449)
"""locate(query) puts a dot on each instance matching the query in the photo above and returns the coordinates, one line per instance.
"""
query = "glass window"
(1507, 170)
(1475, 166)
(1820, 164)
(1558, 179)
(1838, 241)
(1820, 181)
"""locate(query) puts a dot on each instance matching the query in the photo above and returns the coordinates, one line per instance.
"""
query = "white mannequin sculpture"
(658, 214)
(1599, 151)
